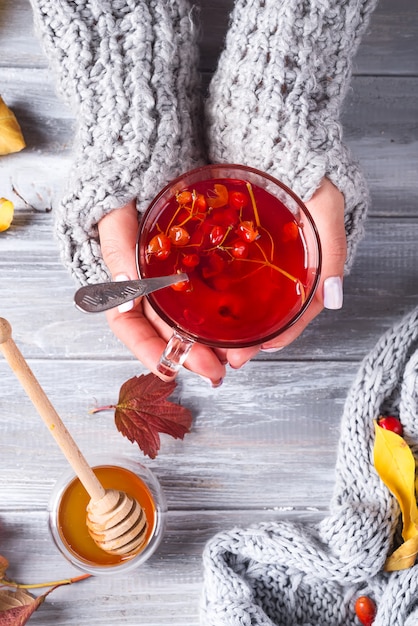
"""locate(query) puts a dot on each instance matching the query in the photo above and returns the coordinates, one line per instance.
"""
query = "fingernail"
(333, 292)
(212, 383)
(272, 349)
(127, 306)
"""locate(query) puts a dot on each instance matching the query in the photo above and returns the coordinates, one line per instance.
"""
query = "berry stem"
(254, 204)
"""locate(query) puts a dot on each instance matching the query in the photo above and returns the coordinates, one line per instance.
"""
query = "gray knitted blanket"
(128, 69)
(286, 574)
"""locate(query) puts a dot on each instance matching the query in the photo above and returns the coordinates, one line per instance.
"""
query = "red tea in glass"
(248, 246)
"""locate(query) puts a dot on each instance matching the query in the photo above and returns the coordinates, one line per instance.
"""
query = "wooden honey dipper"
(116, 522)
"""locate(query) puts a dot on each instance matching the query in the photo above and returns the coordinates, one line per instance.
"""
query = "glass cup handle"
(174, 355)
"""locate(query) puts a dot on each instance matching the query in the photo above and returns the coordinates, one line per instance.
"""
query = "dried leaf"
(19, 615)
(4, 564)
(11, 138)
(143, 412)
(6, 213)
(404, 557)
(11, 599)
(395, 465)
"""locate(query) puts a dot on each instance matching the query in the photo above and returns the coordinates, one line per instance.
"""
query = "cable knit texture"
(128, 70)
(275, 99)
(287, 574)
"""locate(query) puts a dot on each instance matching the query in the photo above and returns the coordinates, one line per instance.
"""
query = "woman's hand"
(327, 209)
(139, 328)
(146, 335)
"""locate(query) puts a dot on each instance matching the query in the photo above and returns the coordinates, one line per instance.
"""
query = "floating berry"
(247, 231)
(200, 203)
(218, 197)
(239, 249)
(390, 422)
(365, 609)
(184, 197)
(184, 285)
(178, 236)
(191, 260)
(224, 216)
(217, 235)
(238, 199)
(159, 246)
(215, 264)
(290, 231)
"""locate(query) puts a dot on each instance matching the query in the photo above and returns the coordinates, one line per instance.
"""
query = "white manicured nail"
(127, 306)
(272, 349)
(333, 292)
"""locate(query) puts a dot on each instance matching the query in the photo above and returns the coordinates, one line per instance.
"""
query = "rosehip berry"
(365, 609)
(238, 199)
(390, 422)
(159, 246)
(247, 231)
(179, 236)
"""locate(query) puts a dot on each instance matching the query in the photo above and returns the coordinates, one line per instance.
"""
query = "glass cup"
(67, 515)
(251, 252)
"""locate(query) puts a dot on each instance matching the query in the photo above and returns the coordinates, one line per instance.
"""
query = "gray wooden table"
(263, 446)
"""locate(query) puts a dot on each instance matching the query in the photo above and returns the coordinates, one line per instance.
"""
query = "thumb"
(118, 232)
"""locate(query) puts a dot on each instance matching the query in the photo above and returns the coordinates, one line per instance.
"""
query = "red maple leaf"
(143, 411)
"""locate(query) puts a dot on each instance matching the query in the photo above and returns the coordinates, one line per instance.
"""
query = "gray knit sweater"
(287, 574)
(128, 70)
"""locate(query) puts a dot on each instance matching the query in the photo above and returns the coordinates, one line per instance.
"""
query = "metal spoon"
(104, 296)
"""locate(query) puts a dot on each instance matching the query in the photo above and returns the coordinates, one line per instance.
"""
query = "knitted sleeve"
(275, 99)
(128, 71)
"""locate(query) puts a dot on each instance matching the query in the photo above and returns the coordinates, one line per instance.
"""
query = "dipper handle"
(47, 412)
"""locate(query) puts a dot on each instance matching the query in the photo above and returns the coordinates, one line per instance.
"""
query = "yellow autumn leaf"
(395, 464)
(404, 557)
(6, 213)
(11, 138)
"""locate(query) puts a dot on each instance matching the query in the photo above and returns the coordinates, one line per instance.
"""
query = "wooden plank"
(381, 288)
(388, 47)
(282, 434)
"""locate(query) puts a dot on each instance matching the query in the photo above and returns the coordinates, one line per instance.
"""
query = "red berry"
(178, 235)
(200, 203)
(184, 197)
(247, 231)
(239, 249)
(238, 199)
(390, 422)
(191, 260)
(215, 264)
(290, 231)
(184, 285)
(224, 216)
(217, 235)
(159, 246)
(365, 609)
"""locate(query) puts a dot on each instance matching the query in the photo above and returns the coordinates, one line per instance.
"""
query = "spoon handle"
(49, 415)
(100, 297)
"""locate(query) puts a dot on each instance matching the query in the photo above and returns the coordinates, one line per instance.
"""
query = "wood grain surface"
(263, 446)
